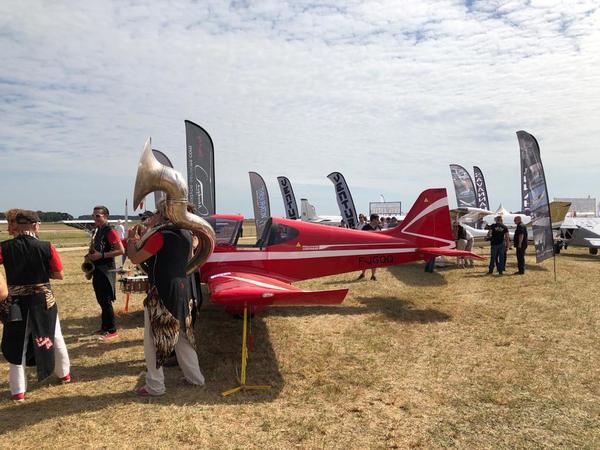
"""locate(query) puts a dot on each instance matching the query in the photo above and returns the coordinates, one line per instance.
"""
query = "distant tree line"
(112, 217)
(47, 216)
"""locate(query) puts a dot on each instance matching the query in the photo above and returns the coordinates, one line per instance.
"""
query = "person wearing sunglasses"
(106, 245)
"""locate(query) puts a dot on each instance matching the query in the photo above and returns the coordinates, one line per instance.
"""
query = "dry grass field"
(414, 360)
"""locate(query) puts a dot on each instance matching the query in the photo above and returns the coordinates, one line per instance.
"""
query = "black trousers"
(105, 297)
(521, 259)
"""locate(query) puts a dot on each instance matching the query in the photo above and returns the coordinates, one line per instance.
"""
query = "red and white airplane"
(260, 275)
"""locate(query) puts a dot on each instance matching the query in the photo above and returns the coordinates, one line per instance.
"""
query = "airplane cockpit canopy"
(227, 230)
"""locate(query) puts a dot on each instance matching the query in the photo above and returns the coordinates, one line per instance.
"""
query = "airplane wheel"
(557, 249)
(593, 251)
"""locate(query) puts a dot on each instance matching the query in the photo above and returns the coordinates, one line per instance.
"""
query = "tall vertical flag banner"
(289, 199)
(344, 199)
(126, 213)
(463, 186)
(481, 190)
(537, 202)
(200, 153)
(260, 201)
(165, 161)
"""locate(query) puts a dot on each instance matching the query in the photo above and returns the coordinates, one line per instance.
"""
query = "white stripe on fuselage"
(262, 255)
(249, 281)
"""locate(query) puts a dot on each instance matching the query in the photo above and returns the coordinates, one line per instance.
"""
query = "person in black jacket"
(106, 245)
(520, 243)
(31, 331)
(499, 243)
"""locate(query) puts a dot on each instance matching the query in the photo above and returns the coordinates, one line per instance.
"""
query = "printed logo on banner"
(200, 169)
(344, 199)
(481, 190)
(289, 200)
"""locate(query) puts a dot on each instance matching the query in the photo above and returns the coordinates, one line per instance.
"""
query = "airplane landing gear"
(243, 386)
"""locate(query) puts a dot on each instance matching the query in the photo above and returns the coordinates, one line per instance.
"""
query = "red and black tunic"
(104, 241)
(28, 262)
(166, 269)
(169, 300)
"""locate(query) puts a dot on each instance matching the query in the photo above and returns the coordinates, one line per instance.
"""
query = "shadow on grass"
(415, 275)
(393, 307)
(219, 350)
(403, 310)
(582, 256)
(85, 326)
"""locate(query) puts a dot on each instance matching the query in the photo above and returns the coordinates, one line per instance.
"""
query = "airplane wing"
(468, 214)
(237, 288)
(437, 251)
(594, 242)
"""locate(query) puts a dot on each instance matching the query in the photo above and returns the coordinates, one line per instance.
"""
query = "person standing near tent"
(520, 243)
(499, 244)
(30, 315)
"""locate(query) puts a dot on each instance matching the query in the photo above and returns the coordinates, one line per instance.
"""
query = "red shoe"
(107, 335)
(143, 392)
(18, 398)
(66, 379)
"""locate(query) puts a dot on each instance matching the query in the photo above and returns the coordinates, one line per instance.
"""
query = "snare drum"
(135, 284)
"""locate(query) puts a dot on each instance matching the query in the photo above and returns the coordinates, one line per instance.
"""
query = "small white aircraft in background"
(308, 213)
(474, 220)
(579, 232)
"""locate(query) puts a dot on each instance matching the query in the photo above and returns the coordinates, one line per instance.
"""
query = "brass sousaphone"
(154, 176)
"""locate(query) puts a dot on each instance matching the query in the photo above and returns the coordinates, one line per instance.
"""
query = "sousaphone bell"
(154, 176)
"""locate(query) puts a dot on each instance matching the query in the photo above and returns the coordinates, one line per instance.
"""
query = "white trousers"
(62, 366)
(186, 357)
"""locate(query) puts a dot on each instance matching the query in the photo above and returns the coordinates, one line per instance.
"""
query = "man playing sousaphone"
(105, 245)
(165, 250)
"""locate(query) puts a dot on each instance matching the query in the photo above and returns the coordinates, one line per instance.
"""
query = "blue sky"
(388, 93)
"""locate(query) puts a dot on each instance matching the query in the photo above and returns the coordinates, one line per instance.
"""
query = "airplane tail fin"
(307, 210)
(427, 224)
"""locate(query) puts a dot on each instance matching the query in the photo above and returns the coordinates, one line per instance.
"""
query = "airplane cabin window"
(281, 233)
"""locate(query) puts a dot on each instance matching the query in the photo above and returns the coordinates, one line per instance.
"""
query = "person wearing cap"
(499, 244)
(168, 306)
(30, 314)
(105, 246)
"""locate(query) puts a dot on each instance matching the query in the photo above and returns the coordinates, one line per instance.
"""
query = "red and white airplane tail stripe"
(427, 224)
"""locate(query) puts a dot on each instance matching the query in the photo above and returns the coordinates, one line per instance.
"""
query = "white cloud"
(389, 93)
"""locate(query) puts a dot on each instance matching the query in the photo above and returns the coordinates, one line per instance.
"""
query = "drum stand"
(243, 386)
